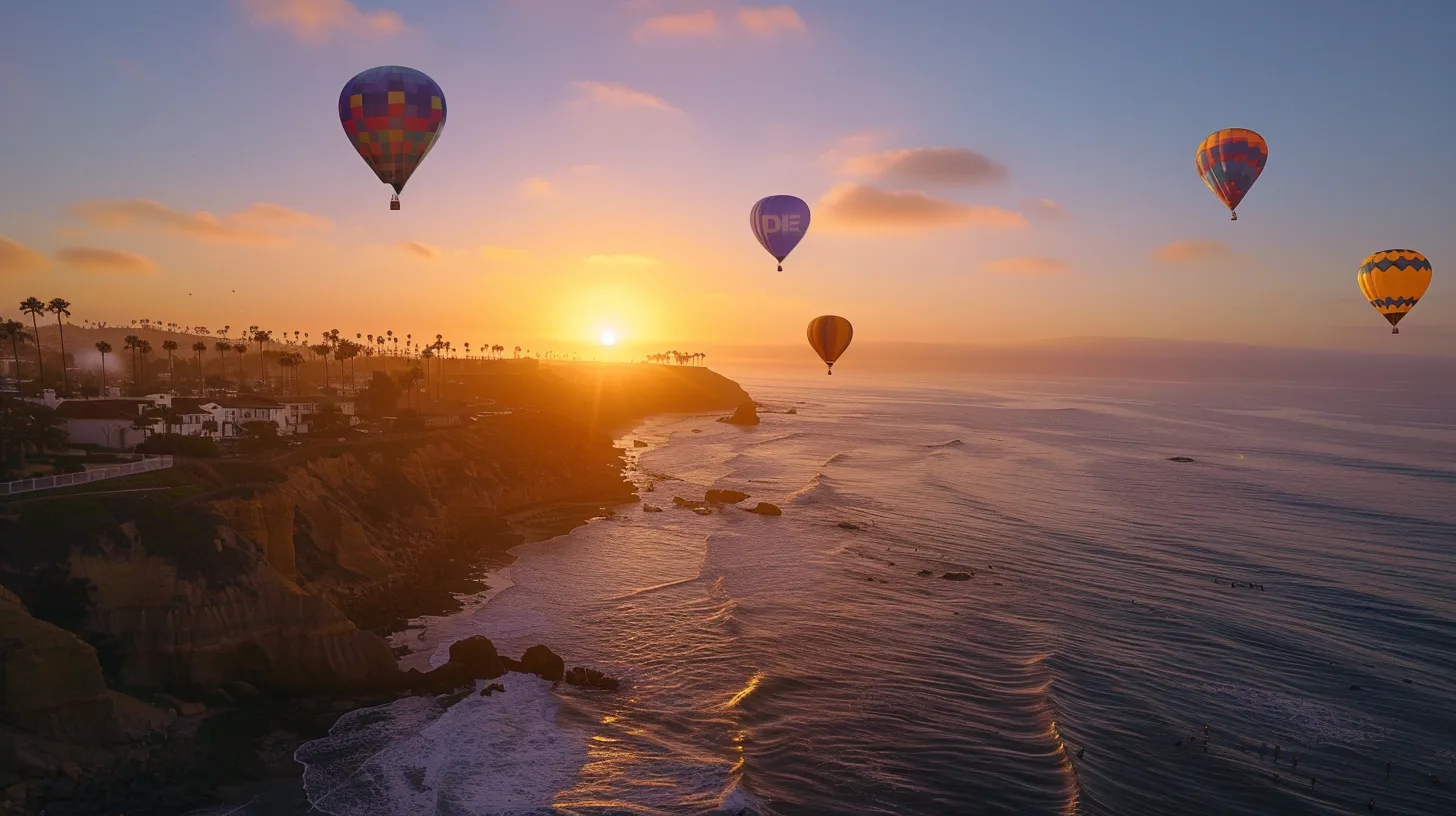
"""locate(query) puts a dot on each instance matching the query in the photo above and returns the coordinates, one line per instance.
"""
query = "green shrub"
(179, 445)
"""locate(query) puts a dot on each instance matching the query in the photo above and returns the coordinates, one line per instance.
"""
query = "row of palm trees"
(286, 349)
(678, 357)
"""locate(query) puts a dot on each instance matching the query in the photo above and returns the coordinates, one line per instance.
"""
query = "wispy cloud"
(1046, 209)
(106, 261)
(538, 187)
(939, 166)
(617, 96)
(1026, 266)
(857, 206)
(499, 254)
(679, 26)
(315, 21)
(18, 259)
(623, 259)
(424, 252)
(767, 21)
(260, 223)
(1192, 251)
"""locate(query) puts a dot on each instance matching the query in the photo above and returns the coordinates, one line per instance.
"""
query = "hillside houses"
(123, 423)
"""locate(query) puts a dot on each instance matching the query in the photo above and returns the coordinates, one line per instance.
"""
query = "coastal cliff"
(130, 604)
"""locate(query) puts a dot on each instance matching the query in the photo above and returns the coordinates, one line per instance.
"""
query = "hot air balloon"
(779, 223)
(1229, 161)
(830, 336)
(1393, 281)
(392, 115)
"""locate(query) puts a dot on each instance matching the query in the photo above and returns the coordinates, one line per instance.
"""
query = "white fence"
(148, 463)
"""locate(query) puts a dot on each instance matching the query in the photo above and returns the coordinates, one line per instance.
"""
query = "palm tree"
(322, 350)
(171, 346)
(62, 309)
(240, 349)
(260, 337)
(222, 347)
(145, 348)
(132, 343)
(105, 349)
(199, 347)
(33, 307)
(14, 330)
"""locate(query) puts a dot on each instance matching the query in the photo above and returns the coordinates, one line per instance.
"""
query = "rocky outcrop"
(724, 496)
(542, 662)
(591, 678)
(478, 656)
(745, 414)
(765, 509)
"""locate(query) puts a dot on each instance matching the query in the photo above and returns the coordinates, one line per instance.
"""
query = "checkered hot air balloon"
(1229, 161)
(1394, 280)
(392, 115)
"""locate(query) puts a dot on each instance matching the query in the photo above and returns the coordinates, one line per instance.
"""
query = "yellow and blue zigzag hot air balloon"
(1394, 280)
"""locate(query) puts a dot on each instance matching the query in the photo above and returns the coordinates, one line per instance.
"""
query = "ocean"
(1267, 629)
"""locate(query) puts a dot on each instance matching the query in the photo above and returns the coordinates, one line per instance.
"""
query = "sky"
(979, 172)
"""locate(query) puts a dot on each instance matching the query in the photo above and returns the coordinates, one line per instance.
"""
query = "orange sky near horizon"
(607, 187)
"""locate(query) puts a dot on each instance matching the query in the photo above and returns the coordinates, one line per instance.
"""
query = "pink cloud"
(106, 261)
(18, 259)
(617, 96)
(860, 207)
(770, 20)
(692, 24)
(943, 166)
(1045, 208)
(1026, 266)
(260, 223)
(424, 252)
(314, 21)
(1193, 251)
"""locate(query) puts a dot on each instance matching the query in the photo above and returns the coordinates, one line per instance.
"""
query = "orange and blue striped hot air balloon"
(830, 336)
(1229, 161)
(1394, 281)
(392, 115)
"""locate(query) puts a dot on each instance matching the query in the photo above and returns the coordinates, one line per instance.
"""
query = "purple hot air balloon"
(779, 223)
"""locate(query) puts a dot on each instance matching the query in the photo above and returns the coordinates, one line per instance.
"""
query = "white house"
(297, 411)
(232, 413)
(106, 423)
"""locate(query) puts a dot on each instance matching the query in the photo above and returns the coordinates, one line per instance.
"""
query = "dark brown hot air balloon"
(830, 336)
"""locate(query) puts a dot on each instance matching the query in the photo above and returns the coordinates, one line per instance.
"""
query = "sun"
(609, 338)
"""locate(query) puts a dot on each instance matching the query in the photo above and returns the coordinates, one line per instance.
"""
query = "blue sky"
(216, 107)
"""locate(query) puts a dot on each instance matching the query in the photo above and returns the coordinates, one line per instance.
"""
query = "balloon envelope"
(779, 223)
(830, 336)
(1229, 161)
(392, 115)
(1394, 281)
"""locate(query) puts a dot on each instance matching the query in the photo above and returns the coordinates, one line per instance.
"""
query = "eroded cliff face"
(50, 681)
(258, 627)
(360, 519)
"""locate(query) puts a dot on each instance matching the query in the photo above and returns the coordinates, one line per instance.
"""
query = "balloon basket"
(1394, 330)
(1233, 216)
(781, 267)
(394, 202)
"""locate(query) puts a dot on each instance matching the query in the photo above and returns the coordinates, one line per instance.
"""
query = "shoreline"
(280, 726)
